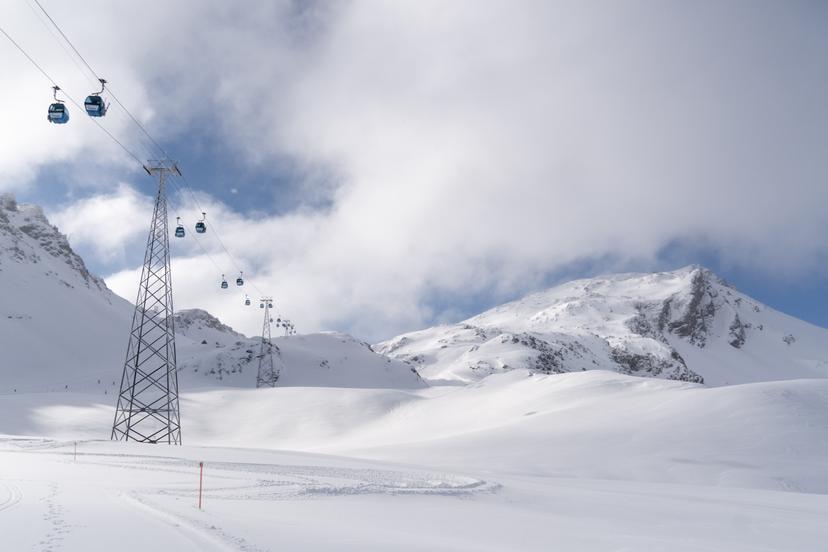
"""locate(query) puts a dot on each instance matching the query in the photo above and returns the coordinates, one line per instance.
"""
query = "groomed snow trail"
(144, 497)
(128, 496)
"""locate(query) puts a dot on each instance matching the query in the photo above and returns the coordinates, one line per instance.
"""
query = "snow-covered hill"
(594, 424)
(58, 322)
(686, 325)
(328, 359)
(62, 329)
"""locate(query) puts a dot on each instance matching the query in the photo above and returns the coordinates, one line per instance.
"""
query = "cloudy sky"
(381, 166)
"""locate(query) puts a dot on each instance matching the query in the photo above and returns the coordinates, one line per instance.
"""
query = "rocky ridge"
(689, 325)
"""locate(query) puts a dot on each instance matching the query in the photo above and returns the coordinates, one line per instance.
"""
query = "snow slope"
(594, 424)
(57, 321)
(593, 461)
(687, 325)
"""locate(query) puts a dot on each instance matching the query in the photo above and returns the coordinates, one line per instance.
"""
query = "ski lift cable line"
(54, 35)
(215, 264)
(215, 232)
(206, 253)
(39, 5)
(85, 71)
(143, 129)
(109, 89)
(135, 120)
(32, 61)
(161, 149)
(230, 256)
(97, 77)
(112, 136)
(71, 99)
(198, 242)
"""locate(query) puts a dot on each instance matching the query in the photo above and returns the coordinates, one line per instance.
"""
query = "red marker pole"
(200, 482)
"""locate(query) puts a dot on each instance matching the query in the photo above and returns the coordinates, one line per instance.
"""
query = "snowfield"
(527, 427)
(260, 500)
(585, 461)
(595, 424)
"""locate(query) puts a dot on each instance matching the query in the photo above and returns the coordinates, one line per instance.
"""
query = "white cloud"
(107, 223)
(480, 145)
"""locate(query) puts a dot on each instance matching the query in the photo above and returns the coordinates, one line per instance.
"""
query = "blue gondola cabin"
(58, 114)
(95, 106)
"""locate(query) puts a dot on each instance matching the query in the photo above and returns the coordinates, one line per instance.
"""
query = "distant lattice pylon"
(268, 375)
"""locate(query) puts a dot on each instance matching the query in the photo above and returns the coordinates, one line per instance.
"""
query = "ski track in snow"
(207, 537)
(257, 481)
(11, 495)
(173, 502)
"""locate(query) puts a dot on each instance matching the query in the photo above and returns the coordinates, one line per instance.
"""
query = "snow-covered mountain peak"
(27, 237)
(683, 302)
(581, 295)
(688, 324)
(196, 323)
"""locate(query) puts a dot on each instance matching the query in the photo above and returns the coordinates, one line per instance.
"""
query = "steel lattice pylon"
(267, 376)
(147, 409)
